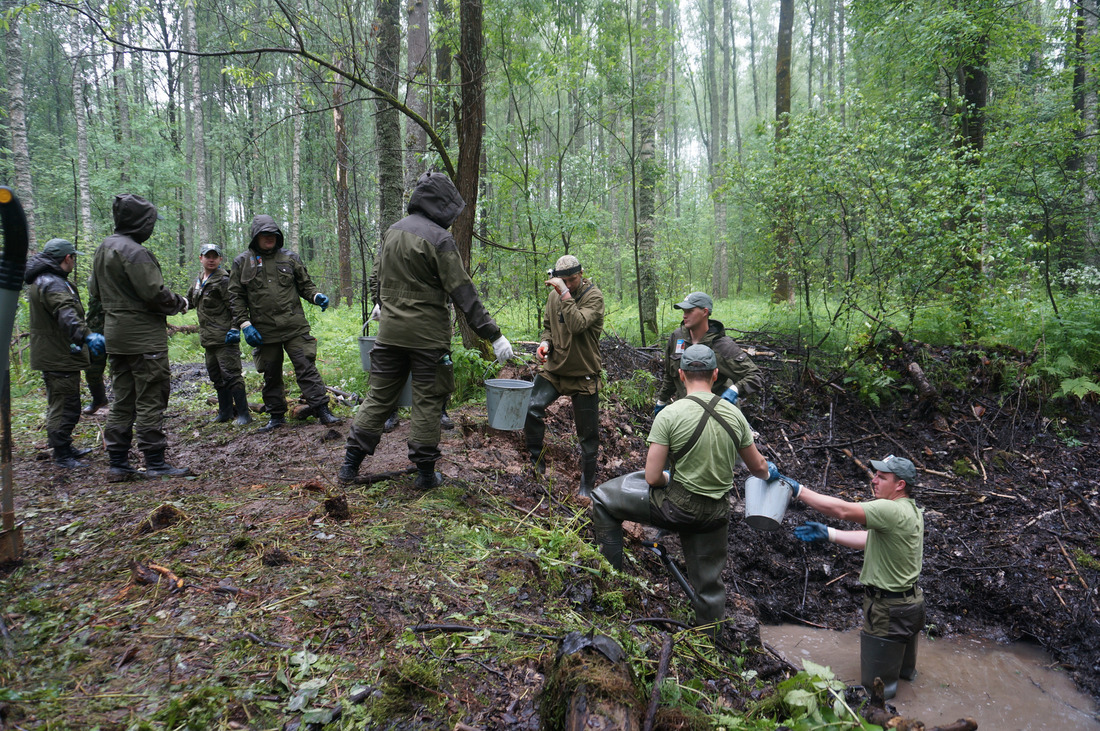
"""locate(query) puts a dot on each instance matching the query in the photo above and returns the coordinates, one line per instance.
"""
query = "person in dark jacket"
(417, 270)
(266, 289)
(209, 297)
(128, 284)
(97, 364)
(60, 344)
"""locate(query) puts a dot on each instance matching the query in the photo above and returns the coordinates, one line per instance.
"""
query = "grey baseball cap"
(59, 248)
(207, 248)
(696, 299)
(698, 358)
(899, 466)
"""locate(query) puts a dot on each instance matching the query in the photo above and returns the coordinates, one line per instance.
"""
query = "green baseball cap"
(59, 248)
(698, 358)
(899, 466)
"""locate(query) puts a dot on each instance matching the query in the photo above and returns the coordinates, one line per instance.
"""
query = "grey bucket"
(366, 345)
(507, 400)
(766, 502)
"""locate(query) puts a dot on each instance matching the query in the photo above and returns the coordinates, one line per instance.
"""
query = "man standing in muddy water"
(893, 547)
(737, 375)
(417, 270)
(571, 365)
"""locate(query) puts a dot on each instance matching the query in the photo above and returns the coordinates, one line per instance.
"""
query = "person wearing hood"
(266, 289)
(60, 344)
(209, 297)
(737, 375)
(417, 270)
(128, 285)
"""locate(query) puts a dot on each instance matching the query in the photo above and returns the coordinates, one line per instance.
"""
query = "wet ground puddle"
(1001, 687)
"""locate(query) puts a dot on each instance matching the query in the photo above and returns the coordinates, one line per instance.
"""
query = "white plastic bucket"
(765, 503)
(507, 400)
(366, 345)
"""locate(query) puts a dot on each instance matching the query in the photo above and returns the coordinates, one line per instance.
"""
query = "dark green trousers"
(141, 384)
(302, 352)
(62, 406)
(223, 365)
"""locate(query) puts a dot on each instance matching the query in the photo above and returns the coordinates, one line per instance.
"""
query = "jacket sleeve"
(193, 295)
(460, 288)
(238, 295)
(734, 364)
(668, 388)
(148, 284)
(60, 303)
(547, 334)
(583, 316)
(302, 280)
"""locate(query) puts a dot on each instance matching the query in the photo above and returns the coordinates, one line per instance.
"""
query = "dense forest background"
(876, 165)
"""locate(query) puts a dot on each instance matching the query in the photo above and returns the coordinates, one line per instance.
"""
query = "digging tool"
(12, 266)
(656, 546)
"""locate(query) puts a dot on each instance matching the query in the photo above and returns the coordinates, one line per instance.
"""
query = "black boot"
(225, 407)
(274, 423)
(63, 457)
(325, 416)
(538, 459)
(445, 421)
(353, 458)
(240, 399)
(155, 466)
(391, 423)
(78, 453)
(588, 478)
(99, 397)
(427, 477)
(119, 462)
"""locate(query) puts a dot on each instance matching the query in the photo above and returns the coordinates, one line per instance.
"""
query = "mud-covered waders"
(892, 622)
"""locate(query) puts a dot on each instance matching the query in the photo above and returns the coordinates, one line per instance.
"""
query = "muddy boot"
(325, 416)
(587, 417)
(538, 459)
(78, 453)
(880, 658)
(225, 407)
(909, 662)
(588, 478)
(63, 457)
(427, 477)
(391, 423)
(353, 458)
(445, 421)
(274, 423)
(99, 397)
(155, 466)
(119, 464)
(613, 502)
(240, 399)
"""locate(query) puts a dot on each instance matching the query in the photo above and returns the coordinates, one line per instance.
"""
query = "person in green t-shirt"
(703, 436)
(893, 546)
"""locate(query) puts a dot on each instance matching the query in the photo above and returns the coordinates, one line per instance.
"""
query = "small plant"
(638, 391)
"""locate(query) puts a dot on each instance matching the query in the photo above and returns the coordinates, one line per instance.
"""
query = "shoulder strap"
(690, 443)
(718, 417)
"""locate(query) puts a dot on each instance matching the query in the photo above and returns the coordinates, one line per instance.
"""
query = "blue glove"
(252, 336)
(812, 532)
(321, 301)
(233, 337)
(97, 346)
(795, 486)
(731, 395)
(773, 471)
(658, 406)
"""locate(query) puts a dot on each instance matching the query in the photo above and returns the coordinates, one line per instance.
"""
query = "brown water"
(1001, 687)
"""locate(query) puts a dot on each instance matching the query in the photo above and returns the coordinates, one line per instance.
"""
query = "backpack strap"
(708, 411)
(718, 417)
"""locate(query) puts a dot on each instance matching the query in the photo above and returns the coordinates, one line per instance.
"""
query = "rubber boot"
(613, 502)
(99, 397)
(155, 466)
(225, 407)
(78, 453)
(119, 464)
(353, 458)
(63, 457)
(427, 477)
(543, 394)
(391, 423)
(538, 459)
(704, 561)
(274, 423)
(445, 422)
(240, 398)
(588, 478)
(880, 658)
(325, 416)
(909, 662)
(586, 414)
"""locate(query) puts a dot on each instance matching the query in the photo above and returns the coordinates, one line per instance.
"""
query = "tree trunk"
(84, 187)
(387, 119)
(782, 291)
(296, 164)
(647, 93)
(419, 73)
(752, 61)
(1088, 110)
(122, 103)
(343, 220)
(17, 116)
(198, 131)
(444, 55)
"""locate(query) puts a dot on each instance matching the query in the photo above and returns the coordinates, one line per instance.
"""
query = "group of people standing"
(699, 433)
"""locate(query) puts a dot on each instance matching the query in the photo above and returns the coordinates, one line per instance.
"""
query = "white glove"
(184, 310)
(503, 350)
(543, 350)
(376, 314)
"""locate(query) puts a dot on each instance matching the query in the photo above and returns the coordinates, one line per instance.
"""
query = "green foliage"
(809, 700)
(638, 391)
(199, 709)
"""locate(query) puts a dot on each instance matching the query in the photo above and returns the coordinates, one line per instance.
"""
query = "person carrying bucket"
(893, 549)
(702, 435)
(417, 270)
(571, 365)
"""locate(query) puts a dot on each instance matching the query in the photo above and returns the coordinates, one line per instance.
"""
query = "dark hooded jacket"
(127, 283)
(418, 268)
(734, 365)
(210, 300)
(56, 317)
(267, 289)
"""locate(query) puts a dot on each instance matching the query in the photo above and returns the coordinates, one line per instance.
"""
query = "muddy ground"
(280, 585)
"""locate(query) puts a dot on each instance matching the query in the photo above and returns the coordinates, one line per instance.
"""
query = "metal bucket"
(766, 502)
(366, 345)
(507, 400)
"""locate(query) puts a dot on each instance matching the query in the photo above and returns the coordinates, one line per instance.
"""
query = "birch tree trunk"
(343, 220)
(296, 163)
(782, 291)
(387, 120)
(122, 103)
(198, 132)
(17, 116)
(646, 94)
(418, 72)
(80, 116)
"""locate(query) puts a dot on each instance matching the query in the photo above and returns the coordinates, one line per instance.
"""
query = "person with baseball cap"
(702, 436)
(893, 548)
(737, 374)
(570, 355)
(209, 297)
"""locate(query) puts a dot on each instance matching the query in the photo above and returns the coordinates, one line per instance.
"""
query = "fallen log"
(591, 687)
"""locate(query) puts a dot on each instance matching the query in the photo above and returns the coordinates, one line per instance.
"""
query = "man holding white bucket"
(893, 547)
(417, 270)
(571, 365)
(702, 436)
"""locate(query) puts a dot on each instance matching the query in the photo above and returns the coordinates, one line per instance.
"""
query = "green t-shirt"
(708, 468)
(895, 544)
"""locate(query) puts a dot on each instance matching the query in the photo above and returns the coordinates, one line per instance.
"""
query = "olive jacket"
(573, 328)
(56, 317)
(128, 284)
(267, 289)
(209, 298)
(734, 365)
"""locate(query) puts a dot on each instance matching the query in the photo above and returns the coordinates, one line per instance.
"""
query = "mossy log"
(591, 687)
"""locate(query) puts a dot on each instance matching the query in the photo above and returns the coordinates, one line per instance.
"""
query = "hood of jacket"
(716, 328)
(134, 216)
(264, 224)
(40, 264)
(437, 198)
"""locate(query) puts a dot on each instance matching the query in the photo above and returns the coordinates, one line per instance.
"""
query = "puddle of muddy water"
(999, 686)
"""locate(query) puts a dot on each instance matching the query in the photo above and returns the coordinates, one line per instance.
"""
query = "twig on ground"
(655, 695)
